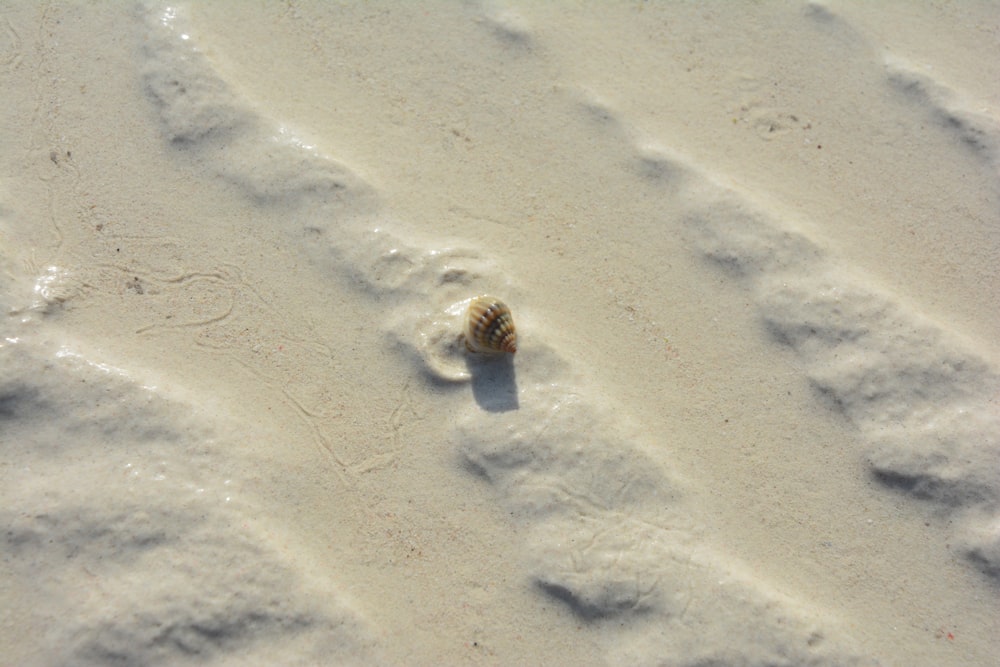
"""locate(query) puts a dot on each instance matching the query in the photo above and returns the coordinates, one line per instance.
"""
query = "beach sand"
(751, 252)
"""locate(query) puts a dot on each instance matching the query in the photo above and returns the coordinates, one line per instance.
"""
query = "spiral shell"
(489, 327)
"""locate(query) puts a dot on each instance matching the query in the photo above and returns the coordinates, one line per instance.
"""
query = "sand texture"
(751, 252)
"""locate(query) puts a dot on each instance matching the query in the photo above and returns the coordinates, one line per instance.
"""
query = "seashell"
(489, 327)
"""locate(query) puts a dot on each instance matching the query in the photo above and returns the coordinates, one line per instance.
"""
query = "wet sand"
(751, 256)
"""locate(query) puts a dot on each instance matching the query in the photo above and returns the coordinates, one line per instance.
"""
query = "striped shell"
(489, 327)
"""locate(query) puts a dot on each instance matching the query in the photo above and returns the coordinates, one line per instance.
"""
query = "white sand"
(751, 253)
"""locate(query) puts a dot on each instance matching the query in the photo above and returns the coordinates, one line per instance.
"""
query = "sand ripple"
(609, 531)
(174, 568)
